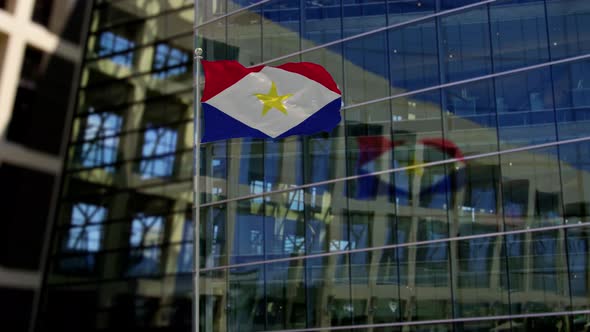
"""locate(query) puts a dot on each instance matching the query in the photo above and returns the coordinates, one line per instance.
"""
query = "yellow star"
(272, 100)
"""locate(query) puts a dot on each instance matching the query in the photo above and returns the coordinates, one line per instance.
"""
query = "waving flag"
(291, 99)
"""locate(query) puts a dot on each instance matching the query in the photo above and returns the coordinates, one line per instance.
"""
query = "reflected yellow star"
(272, 100)
(415, 168)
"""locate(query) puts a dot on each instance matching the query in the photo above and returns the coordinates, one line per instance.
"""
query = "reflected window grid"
(158, 142)
(169, 61)
(146, 236)
(101, 143)
(110, 43)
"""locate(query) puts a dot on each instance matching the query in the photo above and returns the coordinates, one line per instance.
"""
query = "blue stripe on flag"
(220, 126)
(326, 119)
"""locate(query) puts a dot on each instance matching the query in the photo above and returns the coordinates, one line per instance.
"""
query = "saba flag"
(268, 102)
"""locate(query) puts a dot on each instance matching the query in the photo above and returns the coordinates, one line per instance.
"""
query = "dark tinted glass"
(568, 28)
(525, 100)
(20, 223)
(572, 98)
(413, 57)
(518, 34)
(465, 49)
(42, 11)
(16, 306)
(41, 102)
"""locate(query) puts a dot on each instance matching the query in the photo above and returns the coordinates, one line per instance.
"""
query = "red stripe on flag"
(220, 75)
(314, 72)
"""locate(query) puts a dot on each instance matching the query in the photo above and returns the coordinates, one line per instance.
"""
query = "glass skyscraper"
(454, 195)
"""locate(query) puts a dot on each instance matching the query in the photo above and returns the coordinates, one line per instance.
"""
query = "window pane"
(578, 250)
(531, 189)
(537, 272)
(476, 197)
(42, 11)
(572, 98)
(417, 133)
(470, 117)
(575, 163)
(84, 237)
(526, 114)
(146, 235)
(466, 45)
(328, 291)
(478, 292)
(109, 43)
(400, 11)
(413, 57)
(170, 61)
(365, 69)
(329, 58)
(243, 31)
(321, 23)
(280, 29)
(158, 146)
(285, 225)
(569, 25)
(519, 34)
(101, 144)
(325, 159)
(370, 150)
(363, 15)
(285, 295)
(246, 299)
(428, 293)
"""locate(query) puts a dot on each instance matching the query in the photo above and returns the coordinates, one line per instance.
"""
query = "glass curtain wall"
(481, 107)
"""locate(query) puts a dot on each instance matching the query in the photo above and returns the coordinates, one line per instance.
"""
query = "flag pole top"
(198, 53)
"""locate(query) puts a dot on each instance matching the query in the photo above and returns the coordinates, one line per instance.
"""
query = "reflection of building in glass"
(121, 251)
(492, 240)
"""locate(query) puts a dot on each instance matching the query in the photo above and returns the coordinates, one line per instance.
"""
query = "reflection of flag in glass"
(371, 151)
(374, 150)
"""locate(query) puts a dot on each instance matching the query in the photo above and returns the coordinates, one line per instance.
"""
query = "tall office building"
(480, 108)
(126, 192)
(40, 54)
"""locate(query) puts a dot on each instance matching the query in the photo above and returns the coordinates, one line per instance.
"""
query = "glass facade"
(120, 255)
(482, 108)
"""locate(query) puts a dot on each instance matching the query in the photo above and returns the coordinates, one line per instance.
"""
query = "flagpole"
(196, 190)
